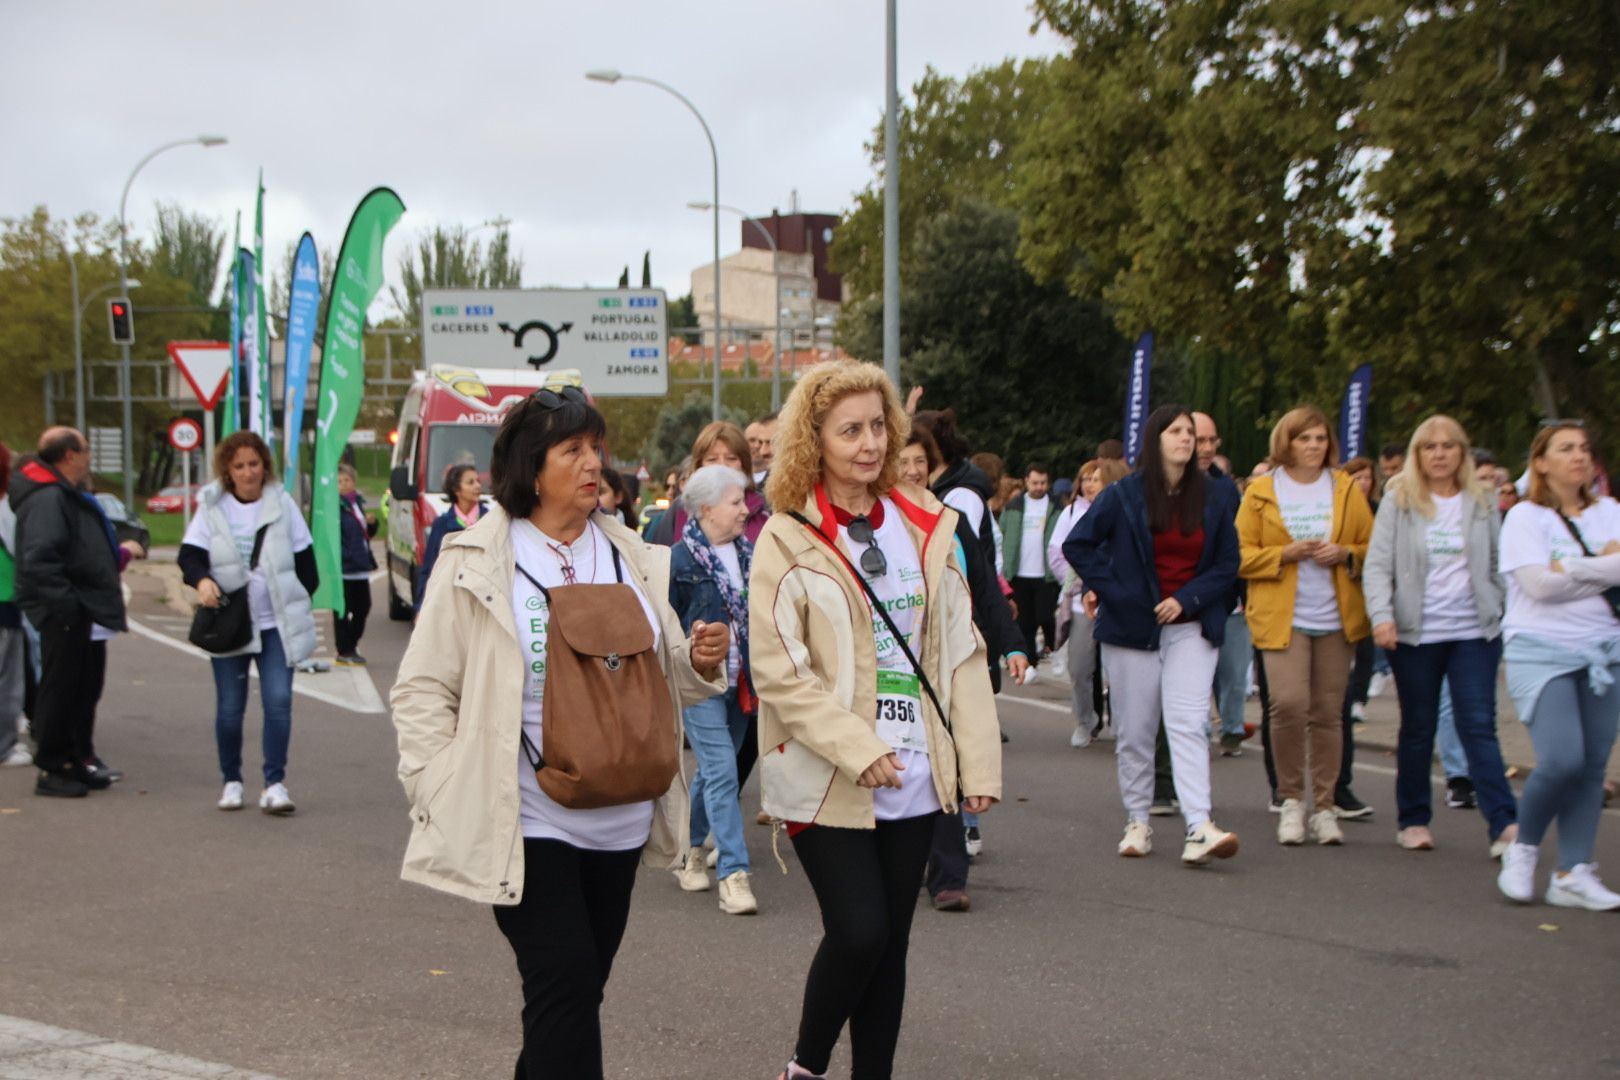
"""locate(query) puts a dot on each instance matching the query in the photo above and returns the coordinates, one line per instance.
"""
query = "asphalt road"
(289, 946)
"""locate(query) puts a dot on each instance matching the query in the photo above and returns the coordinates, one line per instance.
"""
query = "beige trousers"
(1307, 682)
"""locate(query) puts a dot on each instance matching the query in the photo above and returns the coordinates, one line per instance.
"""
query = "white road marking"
(29, 1049)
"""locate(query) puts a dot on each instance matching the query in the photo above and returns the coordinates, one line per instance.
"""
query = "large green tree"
(188, 246)
(449, 257)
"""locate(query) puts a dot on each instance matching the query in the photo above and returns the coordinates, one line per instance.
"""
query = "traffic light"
(121, 319)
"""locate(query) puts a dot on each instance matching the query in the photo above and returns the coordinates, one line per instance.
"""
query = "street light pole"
(612, 76)
(891, 211)
(124, 389)
(78, 347)
(776, 275)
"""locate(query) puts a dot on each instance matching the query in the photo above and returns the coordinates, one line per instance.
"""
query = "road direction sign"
(206, 366)
(617, 338)
(185, 434)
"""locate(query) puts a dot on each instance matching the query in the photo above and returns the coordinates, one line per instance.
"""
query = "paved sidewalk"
(33, 1051)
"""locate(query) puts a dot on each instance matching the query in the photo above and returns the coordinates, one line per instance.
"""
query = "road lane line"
(32, 1049)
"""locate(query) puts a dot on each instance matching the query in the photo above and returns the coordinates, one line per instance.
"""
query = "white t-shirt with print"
(900, 720)
(1450, 612)
(608, 828)
(243, 519)
(966, 501)
(1307, 513)
(1533, 535)
(1032, 544)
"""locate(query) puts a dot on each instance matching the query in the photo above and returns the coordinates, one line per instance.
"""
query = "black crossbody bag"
(229, 627)
(1612, 593)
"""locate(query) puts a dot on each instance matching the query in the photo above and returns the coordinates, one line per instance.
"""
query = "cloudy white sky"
(470, 110)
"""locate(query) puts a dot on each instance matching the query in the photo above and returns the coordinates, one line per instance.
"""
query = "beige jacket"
(813, 661)
(458, 708)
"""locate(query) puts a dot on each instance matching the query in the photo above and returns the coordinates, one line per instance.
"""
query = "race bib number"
(899, 711)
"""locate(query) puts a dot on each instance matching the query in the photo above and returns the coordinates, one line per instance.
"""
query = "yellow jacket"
(1272, 583)
(814, 666)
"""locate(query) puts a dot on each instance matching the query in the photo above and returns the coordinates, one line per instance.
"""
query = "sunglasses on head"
(556, 399)
(872, 561)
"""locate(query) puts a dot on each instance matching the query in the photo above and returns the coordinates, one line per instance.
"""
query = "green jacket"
(1012, 535)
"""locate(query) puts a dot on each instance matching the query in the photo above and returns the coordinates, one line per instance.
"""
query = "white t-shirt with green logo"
(1450, 612)
(1307, 513)
(900, 720)
(1533, 535)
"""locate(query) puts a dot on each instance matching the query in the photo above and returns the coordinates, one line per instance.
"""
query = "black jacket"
(991, 612)
(357, 556)
(67, 555)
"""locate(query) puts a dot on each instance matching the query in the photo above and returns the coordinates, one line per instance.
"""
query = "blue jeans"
(1573, 730)
(1232, 673)
(1453, 758)
(1469, 669)
(715, 728)
(230, 704)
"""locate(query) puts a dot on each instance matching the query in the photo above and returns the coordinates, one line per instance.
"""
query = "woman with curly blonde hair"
(876, 713)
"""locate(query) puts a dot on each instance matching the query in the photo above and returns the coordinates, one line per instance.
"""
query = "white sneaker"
(973, 841)
(1080, 737)
(737, 896)
(231, 797)
(1504, 841)
(275, 800)
(692, 875)
(1138, 840)
(1517, 878)
(1580, 888)
(1358, 712)
(713, 858)
(1291, 822)
(1325, 828)
(1059, 664)
(1208, 841)
(19, 758)
(1378, 684)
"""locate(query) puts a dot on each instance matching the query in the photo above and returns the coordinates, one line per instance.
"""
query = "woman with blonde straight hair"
(1435, 601)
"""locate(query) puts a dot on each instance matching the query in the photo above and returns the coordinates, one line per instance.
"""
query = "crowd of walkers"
(834, 596)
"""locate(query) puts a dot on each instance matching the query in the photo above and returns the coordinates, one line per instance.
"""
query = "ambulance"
(448, 418)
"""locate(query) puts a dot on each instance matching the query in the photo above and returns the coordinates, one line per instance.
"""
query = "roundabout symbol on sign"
(185, 434)
(543, 327)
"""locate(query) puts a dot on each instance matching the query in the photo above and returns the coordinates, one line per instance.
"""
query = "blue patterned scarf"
(735, 600)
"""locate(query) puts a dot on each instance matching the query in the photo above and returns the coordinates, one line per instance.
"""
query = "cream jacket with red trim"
(814, 663)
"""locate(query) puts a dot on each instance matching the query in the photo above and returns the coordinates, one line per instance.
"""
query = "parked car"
(126, 526)
(171, 499)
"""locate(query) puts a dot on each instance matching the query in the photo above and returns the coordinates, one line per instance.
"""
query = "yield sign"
(206, 366)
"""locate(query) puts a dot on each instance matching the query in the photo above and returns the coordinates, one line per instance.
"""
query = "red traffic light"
(120, 321)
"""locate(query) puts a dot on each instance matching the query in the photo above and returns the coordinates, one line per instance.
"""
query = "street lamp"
(776, 272)
(123, 282)
(610, 76)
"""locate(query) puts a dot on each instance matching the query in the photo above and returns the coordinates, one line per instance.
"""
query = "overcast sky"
(470, 110)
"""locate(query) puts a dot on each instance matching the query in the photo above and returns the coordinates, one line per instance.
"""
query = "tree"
(449, 258)
(683, 316)
(646, 270)
(678, 423)
(189, 247)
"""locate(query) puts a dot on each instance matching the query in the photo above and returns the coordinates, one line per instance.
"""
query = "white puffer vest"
(295, 620)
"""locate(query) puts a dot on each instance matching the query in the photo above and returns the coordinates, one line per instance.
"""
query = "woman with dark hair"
(249, 532)
(720, 443)
(465, 491)
(469, 706)
(1158, 554)
(615, 498)
(13, 640)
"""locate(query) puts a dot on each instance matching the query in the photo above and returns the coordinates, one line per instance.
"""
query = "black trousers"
(565, 933)
(748, 752)
(1037, 607)
(73, 670)
(865, 881)
(947, 855)
(352, 627)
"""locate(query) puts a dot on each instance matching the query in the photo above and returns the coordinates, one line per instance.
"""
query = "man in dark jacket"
(68, 566)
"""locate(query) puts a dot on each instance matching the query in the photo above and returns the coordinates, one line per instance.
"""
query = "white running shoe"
(1580, 888)
(18, 758)
(714, 858)
(276, 800)
(1504, 840)
(973, 841)
(1080, 737)
(1379, 683)
(1291, 823)
(1517, 878)
(1138, 840)
(231, 797)
(1059, 664)
(692, 875)
(1208, 841)
(1325, 828)
(737, 896)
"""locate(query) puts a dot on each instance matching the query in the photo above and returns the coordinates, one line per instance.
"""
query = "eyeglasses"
(1563, 424)
(872, 561)
(556, 399)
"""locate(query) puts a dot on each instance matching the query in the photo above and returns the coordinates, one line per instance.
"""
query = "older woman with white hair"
(709, 567)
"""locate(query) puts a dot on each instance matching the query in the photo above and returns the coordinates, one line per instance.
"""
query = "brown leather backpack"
(608, 724)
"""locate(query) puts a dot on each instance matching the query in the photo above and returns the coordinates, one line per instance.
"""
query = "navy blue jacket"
(443, 525)
(357, 556)
(694, 595)
(1111, 548)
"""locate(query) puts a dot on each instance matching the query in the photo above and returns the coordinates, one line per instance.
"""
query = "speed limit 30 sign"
(185, 434)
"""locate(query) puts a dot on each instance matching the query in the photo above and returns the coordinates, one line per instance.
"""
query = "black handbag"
(228, 627)
(1611, 594)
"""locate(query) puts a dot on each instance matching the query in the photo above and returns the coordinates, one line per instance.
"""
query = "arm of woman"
(975, 728)
(1084, 546)
(778, 640)
(691, 686)
(430, 556)
(1378, 572)
(1358, 529)
(1602, 571)
(1054, 549)
(1257, 560)
(1551, 586)
(426, 698)
(304, 566)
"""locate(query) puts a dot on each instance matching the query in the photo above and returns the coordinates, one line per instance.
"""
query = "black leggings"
(866, 882)
(565, 933)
